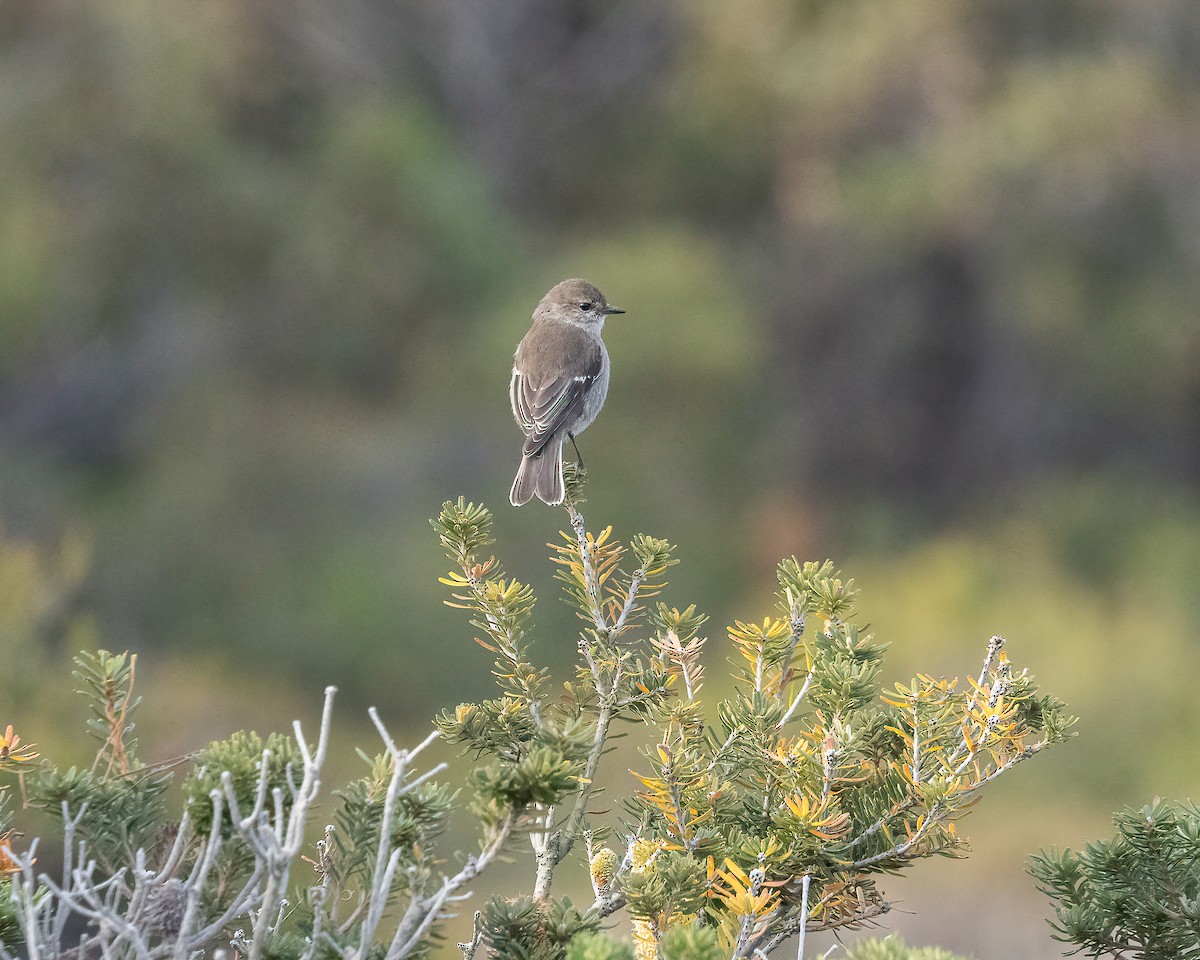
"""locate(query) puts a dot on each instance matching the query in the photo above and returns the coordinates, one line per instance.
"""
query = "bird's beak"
(611, 309)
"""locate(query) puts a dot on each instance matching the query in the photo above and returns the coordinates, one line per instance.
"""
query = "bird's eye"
(586, 306)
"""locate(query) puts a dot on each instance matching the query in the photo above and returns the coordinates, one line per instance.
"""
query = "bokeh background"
(912, 285)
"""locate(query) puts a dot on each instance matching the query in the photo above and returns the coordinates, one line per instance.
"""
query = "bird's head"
(576, 301)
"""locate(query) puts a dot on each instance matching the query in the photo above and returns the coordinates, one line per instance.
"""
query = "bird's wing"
(541, 410)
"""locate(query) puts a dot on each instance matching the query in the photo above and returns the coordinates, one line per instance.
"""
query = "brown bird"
(559, 382)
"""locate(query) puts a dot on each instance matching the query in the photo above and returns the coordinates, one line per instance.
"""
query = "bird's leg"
(578, 457)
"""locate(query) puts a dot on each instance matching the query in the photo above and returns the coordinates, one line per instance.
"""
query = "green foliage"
(295, 946)
(108, 687)
(463, 529)
(487, 726)
(498, 606)
(124, 812)
(245, 757)
(543, 775)
(117, 803)
(814, 588)
(653, 555)
(1137, 894)
(595, 946)
(812, 783)
(685, 624)
(528, 929)
(893, 948)
(150, 881)
(814, 774)
(690, 943)
(676, 886)
(16, 758)
(778, 816)
(10, 919)
(420, 816)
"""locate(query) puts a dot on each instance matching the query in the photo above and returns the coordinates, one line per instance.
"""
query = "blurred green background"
(912, 285)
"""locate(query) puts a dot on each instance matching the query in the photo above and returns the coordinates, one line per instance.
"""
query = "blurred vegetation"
(893, 948)
(1137, 894)
(913, 285)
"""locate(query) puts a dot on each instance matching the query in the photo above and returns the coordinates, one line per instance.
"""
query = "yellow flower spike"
(645, 943)
(643, 852)
(603, 867)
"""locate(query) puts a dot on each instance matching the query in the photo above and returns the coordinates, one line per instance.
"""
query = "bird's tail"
(540, 475)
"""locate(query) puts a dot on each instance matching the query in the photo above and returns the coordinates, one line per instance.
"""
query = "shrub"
(1136, 895)
(768, 813)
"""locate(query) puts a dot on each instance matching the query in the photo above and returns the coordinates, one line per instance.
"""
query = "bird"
(559, 383)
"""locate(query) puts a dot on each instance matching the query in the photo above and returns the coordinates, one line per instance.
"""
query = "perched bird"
(559, 382)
